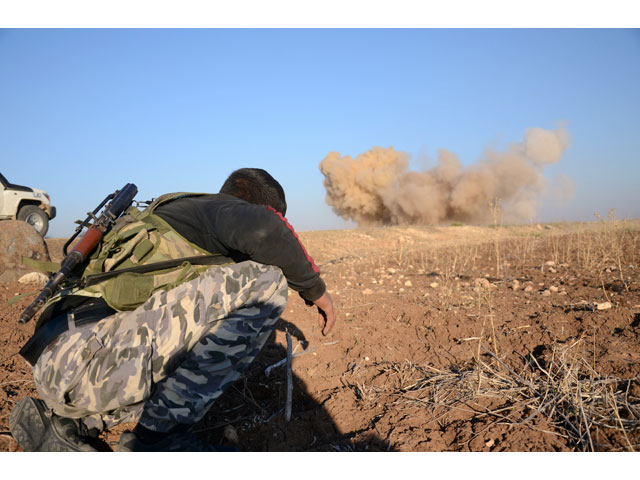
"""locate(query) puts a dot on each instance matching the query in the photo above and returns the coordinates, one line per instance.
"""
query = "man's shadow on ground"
(251, 414)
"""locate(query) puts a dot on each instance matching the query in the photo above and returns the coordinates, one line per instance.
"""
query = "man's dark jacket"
(232, 227)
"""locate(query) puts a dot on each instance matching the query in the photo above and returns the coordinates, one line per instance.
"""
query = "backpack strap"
(46, 267)
(216, 259)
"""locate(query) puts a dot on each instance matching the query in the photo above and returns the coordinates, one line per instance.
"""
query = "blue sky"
(84, 111)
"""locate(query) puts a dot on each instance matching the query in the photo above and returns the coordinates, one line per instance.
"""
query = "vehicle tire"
(35, 217)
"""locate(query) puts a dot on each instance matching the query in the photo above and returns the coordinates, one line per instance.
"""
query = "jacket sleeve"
(265, 236)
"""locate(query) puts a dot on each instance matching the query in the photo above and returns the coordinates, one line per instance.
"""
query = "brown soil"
(449, 339)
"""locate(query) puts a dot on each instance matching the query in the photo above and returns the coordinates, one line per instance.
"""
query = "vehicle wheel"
(35, 217)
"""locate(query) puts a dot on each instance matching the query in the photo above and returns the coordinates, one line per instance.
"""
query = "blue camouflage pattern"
(167, 361)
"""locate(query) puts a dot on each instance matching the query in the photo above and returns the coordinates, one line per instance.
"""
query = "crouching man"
(159, 348)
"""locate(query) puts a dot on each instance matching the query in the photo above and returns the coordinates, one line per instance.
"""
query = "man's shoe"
(173, 442)
(36, 429)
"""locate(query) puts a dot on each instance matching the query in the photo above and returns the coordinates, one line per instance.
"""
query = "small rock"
(434, 285)
(367, 291)
(408, 283)
(549, 263)
(528, 288)
(482, 282)
(391, 270)
(603, 306)
(230, 433)
(489, 443)
(546, 293)
(553, 289)
(552, 270)
(515, 285)
(37, 278)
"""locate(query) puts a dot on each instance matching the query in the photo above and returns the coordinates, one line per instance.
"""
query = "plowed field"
(454, 338)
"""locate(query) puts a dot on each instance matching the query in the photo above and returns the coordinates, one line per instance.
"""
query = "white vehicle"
(31, 205)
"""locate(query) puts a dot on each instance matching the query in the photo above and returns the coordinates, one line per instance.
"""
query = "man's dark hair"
(255, 185)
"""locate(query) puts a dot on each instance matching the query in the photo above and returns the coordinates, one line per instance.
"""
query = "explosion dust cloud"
(377, 186)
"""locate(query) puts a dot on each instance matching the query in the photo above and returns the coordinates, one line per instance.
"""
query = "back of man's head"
(255, 185)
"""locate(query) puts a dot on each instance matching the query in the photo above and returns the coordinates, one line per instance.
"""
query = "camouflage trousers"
(166, 362)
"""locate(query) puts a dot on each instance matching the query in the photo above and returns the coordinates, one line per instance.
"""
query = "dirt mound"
(449, 339)
(18, 239)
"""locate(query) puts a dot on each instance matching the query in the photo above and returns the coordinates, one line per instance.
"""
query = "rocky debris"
(434, 284)
(36, 278)
(482, 282)
(231, 434)
(18, 239)
(515, 285)
(528, 288)
(367, 291)
(603, 305)
(408, 283)
(553, 289)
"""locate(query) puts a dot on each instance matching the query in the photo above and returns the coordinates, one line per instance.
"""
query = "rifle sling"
(216, 259)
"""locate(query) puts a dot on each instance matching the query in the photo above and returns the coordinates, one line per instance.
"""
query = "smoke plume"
(377, 186)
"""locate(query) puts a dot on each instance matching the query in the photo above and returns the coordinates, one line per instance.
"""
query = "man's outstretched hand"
(328, 314)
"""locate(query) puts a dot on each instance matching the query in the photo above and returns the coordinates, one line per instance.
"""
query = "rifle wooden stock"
(88, 242)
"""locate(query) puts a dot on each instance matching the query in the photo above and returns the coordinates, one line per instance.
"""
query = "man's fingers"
(322, 320)
(327, 313)
(329, 322)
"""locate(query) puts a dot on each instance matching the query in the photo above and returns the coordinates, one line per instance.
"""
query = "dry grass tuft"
(559, 393)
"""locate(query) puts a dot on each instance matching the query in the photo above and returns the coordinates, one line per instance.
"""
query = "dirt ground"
(456, 338)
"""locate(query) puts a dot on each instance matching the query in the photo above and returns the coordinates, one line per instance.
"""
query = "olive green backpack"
(139, 256)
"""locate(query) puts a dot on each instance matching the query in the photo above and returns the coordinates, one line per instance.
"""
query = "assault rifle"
(120, 201)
